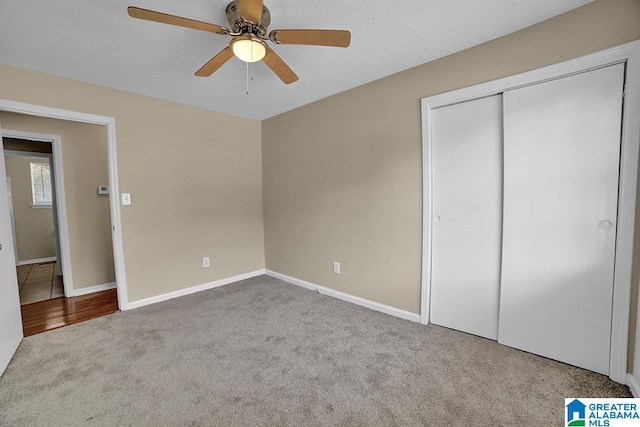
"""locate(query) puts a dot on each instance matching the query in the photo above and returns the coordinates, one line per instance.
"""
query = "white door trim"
(629, 54)
(112, 162)
(12, 216)
(55, 158)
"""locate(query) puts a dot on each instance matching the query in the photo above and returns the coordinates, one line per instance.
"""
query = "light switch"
(126, 199)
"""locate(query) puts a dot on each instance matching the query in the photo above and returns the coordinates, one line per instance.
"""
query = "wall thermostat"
(103, 189)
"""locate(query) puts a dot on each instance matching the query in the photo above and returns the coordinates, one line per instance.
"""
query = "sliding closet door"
(467, 215)
(562, 153)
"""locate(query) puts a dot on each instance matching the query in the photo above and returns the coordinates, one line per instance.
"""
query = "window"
(41, 184)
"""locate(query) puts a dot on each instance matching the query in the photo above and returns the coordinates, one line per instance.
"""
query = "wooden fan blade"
(216, 62)
(150, 15)
(279, 67)
(251, 10)
(336, 38)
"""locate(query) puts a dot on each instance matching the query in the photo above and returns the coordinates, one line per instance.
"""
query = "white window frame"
(35, 203)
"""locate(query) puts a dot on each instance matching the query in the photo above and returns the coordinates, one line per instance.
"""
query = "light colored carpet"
(263, 352)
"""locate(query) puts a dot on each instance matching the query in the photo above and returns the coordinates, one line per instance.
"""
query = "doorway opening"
(34, 221)
(76, 258)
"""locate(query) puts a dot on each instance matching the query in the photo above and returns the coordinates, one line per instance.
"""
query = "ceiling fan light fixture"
(248, 49)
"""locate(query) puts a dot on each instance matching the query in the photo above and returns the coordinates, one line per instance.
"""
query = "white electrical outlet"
(205, 262)
(126, 199)
(336, 267)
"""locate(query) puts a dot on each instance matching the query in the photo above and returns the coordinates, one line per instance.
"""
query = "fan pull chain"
(247, 79)
(249, 71)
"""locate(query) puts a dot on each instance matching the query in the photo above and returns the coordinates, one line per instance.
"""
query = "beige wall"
(342, 176)
(34, 227)
(84, 159)
(194, 178)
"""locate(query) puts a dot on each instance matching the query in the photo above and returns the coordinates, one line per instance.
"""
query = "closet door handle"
(605, 225)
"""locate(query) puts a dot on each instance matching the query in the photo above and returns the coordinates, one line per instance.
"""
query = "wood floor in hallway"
(55, 313)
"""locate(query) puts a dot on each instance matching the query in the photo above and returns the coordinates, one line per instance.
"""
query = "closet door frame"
(628, 54)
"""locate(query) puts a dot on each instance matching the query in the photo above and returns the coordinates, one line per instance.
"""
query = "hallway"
(44, 306)
(58, 312)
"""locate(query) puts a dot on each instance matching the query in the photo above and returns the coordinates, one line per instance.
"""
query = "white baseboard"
(191, 290)
(308, 285)
(634, 386)
(92, 289)
(36, 261)
(392, 311)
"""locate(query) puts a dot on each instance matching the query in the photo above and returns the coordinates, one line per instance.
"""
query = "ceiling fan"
(248, 21)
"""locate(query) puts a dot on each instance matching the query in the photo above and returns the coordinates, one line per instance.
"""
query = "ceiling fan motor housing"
(240, 25)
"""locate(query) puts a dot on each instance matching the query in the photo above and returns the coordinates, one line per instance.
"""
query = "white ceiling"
(96, 41)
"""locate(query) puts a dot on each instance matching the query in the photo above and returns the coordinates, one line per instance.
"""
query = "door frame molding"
(629, 54)
(112, 165)
(12, 216)
(59, 204)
